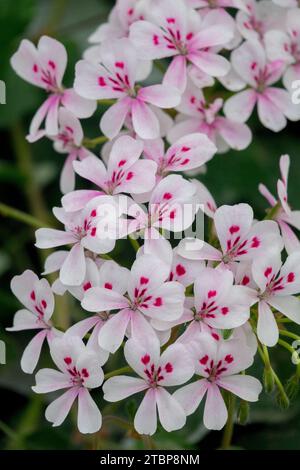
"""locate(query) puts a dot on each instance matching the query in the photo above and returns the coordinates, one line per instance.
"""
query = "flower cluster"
(191, 313)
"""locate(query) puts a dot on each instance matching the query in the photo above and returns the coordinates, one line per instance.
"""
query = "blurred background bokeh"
(29, 182)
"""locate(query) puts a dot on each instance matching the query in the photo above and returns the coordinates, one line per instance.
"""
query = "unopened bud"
(268, 380)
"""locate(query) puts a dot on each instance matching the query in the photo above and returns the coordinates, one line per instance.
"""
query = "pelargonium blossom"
(178, 32)
(37, 297)
(79, 371)
(258, 17)
(44, 67)
(197, 115)
(149, 295)
(219, 363)
(114, 78)
(173, 367)
(274, 105)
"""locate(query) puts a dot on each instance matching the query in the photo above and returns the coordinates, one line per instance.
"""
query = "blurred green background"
(29, 182)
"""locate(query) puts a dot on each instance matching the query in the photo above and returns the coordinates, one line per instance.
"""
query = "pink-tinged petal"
(147, 271)
(263, 236)
(112, 334)
(176, 74)
(247, 60)
(269, 114)
(54, 261)
(291, 242)
(204, 197)
(144, 121)
(288, 305)
(118, 388)
(277, 45)
(267, 195)
(171, 414)
(232, 222)
(145, 420)
(77, 200)
(149, 41)
(124, 153)
(177, 365)
(51, 122)
(88, 361)
(63, 346)
(92, 82)
(293, 219)
(113, 277)
(141, 330)
(32, 352)
(140, 354)
(22, 285)
(23, 62)
(215, 411)
(213, 64)
(154, 149)
(211, 36)
(73, 269)
(49, 238)
(182, 128)
(76, 104)
(38, 118)
(89, 418)
(267, 329)
(82, 327)
(212, 286)
(113, 119)
(239, 107)
(189, 152)
(67, 176)
(50, 380)
(264, 268)
(140, 179)
(290, 272)
(237, 135)
(59, 409)
(244, 386)
(25, 320)
(191, 395)
(98, 299)
(92, 169)
(284, 165)
(166, 303)
(53, 54)
(162, 96)
(194, 249)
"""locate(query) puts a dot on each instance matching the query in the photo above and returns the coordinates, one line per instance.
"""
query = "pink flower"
(284, 215)
(36, 295)
(258, 17)
(199, 116)
(273, 104)
(173, 367)
(276, 286)
(86, 229)
(114, 78)
(205, 198)
(172, 206)
(79, 371)
(44, 67)
(125, 173)
(69, 140)
(218, 303)
(218, 362)
(285, 45)
(239, 237)
(215, 3)
(148, 294)
(178, 32)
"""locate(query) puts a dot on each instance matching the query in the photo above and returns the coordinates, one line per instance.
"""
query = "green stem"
(106, 102)
(271, 214)
(10, 433)
(92, 143)
(12, 213)
(228, 431)
(289, 334)
(122, 370)
(286, 345)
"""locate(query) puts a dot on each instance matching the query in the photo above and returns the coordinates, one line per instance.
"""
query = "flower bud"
(268, 378)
